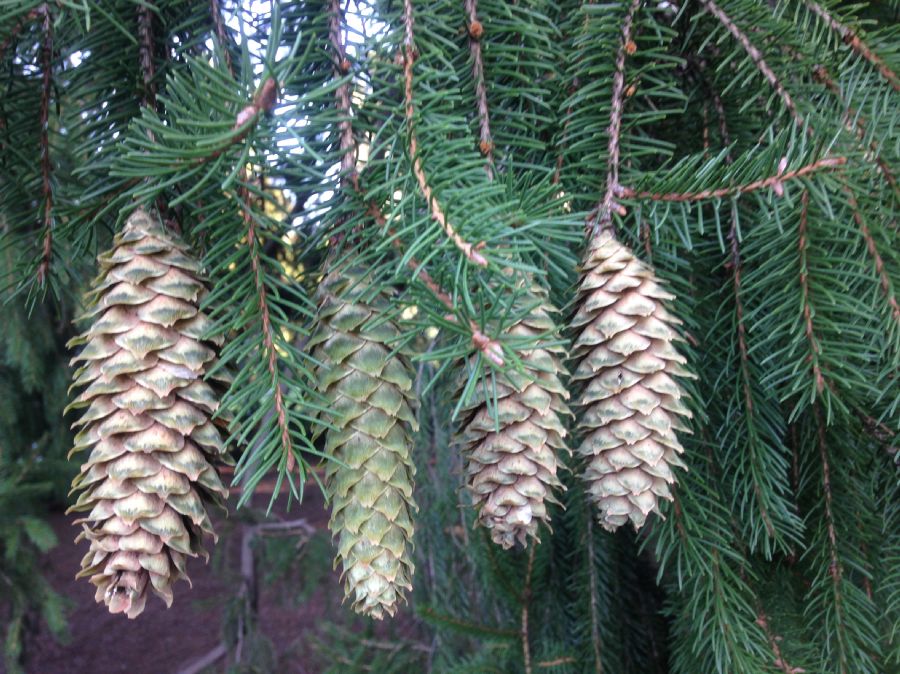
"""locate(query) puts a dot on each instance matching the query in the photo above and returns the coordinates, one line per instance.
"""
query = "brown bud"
(630, 47)
(345, 66)
(486, 147)
(476, 30)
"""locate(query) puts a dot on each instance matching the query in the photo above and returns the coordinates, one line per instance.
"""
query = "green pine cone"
(369, 389)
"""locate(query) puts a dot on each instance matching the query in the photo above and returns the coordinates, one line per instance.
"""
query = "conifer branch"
(803, 244)
(878, 262)
(43, 269)
(757, 58)
(851, 39)
(763, 621)
(490, 348)
(20, 23)
(606, 206)
(526, 598)
(270, 352)
(216, 12)
(836, 568)
(476, 31)
(342, 97)
(771, 181)
(472, 252)
(855, 124)
(145, 50)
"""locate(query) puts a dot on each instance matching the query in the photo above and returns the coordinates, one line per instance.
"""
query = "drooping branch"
(855, 124)
(757, 58)
(471, 251)
(603, 212)
(221, 35)
(145, 50)
(490, 348)
(476, 31)
(855, 43)
(803, 244)
(526, 600)
(46, 167)
(772, 181)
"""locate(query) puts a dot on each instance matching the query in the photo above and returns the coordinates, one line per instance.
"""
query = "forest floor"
(304, 624)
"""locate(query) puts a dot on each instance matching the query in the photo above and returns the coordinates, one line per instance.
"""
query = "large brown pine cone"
(153, 448)
(629, 404)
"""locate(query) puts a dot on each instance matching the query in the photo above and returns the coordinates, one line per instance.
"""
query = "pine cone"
(369, 389)
(629, 406)
(150, 472)
(511, 466)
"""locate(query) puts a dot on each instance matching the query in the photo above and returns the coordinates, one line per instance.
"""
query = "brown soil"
(167, 640)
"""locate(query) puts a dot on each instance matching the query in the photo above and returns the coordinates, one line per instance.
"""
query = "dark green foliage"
(781, 552)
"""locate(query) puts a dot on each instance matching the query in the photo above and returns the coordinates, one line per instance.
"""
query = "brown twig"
(855, 124)
(342, 97)
(526, 599)
(803, 244)
(267, 331)
(145, 50)
(490, 348)
(593, 597)
(757, 58)
(471, 251)
(604, 210)
(884, 279)
(855, 43)
(836, 568)
(772, 181)
(46, 168)
(221, 35)
(476, 31)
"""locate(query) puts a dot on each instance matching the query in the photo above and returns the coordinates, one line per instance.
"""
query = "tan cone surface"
(630, 405)
(511, 466)
(150, 471)
(369, 389)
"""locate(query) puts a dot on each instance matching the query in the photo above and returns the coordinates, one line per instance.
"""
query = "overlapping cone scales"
(369, 389)
(630, 404)
(146, 420)
(511, 465)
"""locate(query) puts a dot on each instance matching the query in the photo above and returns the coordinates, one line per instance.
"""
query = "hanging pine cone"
(150, 473)
(630, 406)
(511, 466)
(369, 389)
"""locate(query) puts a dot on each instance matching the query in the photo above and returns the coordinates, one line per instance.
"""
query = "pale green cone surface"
(369, 389)
(153, 450)
(511, 467)
(630, 404)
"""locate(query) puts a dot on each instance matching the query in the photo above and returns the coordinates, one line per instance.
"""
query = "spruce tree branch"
(342, 97)
(46, 168)
(854, 42)
(221, 35)
(526, 599)
(20, 23)
(145, 50)
(771, 181)
(490, 348)
(267, 335)
(604, 210)
(877, 261)
(855, 124)
(476, 31)
(472, 252)
(593, 597)
(757, 58)
(836, 569)
(803, 243)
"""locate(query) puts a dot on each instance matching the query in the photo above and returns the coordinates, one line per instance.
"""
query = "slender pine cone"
(629, 404)
(151, 471)
(369, 388)
(511, 465)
